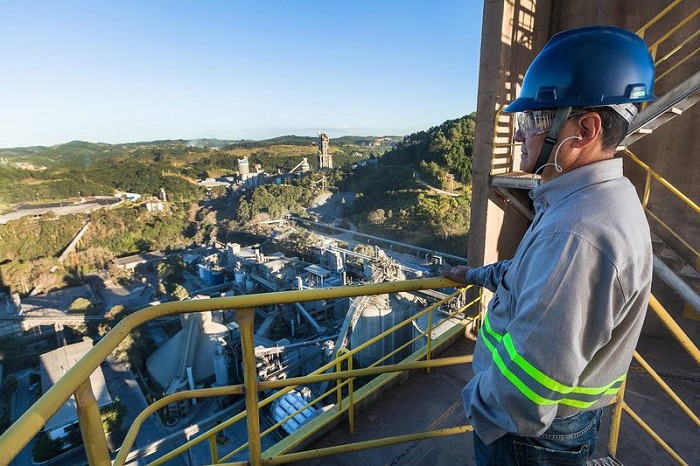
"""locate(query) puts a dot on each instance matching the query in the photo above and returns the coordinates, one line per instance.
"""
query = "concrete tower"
(325, 159)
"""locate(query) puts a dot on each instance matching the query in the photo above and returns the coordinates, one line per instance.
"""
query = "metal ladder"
(666, 108)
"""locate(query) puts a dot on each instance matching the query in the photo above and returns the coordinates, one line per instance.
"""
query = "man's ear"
(590, 127)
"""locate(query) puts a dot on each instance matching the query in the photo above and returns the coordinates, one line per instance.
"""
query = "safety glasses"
(534, 122)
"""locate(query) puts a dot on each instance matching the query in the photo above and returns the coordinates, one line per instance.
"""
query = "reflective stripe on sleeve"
(533, 383)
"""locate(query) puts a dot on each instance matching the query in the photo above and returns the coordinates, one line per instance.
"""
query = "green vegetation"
(391, 201)
(135, 347)
(80, 305)
(274, 201)
(113, 416)
(44, 448)
(29, 248)
(393, 205)
(445, 149)
(41, 174)
(127, 230)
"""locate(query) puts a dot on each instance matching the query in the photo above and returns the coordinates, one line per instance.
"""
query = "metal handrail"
(282, 457)
(641, 31)
(316, 376)
(651, 174)
(653, 48)
(30, 423)
(19, 435)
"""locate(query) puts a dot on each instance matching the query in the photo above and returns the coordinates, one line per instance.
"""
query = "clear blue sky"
(141, 70)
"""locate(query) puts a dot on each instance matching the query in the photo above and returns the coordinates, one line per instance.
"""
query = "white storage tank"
(378, 314)
(289, 404)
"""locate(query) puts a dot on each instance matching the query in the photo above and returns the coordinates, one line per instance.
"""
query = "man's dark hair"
(614, 126)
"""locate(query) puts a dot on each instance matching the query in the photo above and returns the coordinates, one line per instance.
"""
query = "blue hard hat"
(588, 67)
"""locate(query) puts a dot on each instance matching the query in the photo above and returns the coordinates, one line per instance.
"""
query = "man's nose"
(518, 136)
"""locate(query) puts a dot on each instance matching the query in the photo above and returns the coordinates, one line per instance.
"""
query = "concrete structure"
(243, 166)
(191, 354)
(325, 159)
(131, 262)
(52, 366)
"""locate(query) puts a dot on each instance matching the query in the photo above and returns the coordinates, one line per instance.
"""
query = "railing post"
(429, 335)
(246, 319)
(647, 191)
(91, 428)
(339, 385)
(615, 419)
(351, 399)
(214, 449)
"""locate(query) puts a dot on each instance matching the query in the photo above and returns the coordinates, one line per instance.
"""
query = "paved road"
(22, 399)
(58, 208)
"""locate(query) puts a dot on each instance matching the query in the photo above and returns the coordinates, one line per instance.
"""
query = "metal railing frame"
(346, 404)
(74, 382)
(622, 406)
(651, 174)
(23, 430)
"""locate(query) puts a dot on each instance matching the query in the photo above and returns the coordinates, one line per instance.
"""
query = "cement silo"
(193, 348)
(374, 315)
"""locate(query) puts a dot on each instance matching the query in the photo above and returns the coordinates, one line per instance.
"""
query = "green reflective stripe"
(546, 381)
(527, 391)
(487, 325)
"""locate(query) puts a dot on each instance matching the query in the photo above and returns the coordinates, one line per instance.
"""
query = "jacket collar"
(555, 190)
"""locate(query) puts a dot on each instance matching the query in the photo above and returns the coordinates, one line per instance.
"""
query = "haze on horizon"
(131, 71)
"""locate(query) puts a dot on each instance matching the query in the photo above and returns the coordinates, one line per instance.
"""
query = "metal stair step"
(607, 461)
(672, 259)
(690, 272)
(667, 107)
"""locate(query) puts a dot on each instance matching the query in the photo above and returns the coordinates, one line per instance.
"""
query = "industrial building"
(54, 365)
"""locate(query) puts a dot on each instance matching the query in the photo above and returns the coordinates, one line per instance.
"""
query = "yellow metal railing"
(621, 405)
(652, 175)
(670, 34)
(76, 382)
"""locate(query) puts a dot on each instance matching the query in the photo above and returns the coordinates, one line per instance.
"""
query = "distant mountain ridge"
(77, 149)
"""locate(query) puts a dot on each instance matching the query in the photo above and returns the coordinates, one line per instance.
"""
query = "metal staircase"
(663, 110)
(678, 274)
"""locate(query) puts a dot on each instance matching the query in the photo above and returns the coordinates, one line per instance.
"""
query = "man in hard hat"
(558, 336)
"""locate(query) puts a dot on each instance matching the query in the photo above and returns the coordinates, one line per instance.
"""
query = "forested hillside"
(41, 174)
(392, 203)
(391, 199)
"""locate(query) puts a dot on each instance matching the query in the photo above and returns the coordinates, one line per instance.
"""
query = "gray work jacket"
(560, 331)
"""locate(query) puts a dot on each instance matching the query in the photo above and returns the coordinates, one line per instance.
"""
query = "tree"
(44, 448)
(80, 304)
(180, 293)
(113, 416)
(377, 217)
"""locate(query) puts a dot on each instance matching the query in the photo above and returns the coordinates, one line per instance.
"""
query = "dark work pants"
(568, 441)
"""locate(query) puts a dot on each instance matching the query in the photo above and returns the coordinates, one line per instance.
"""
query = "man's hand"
(457, 274)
